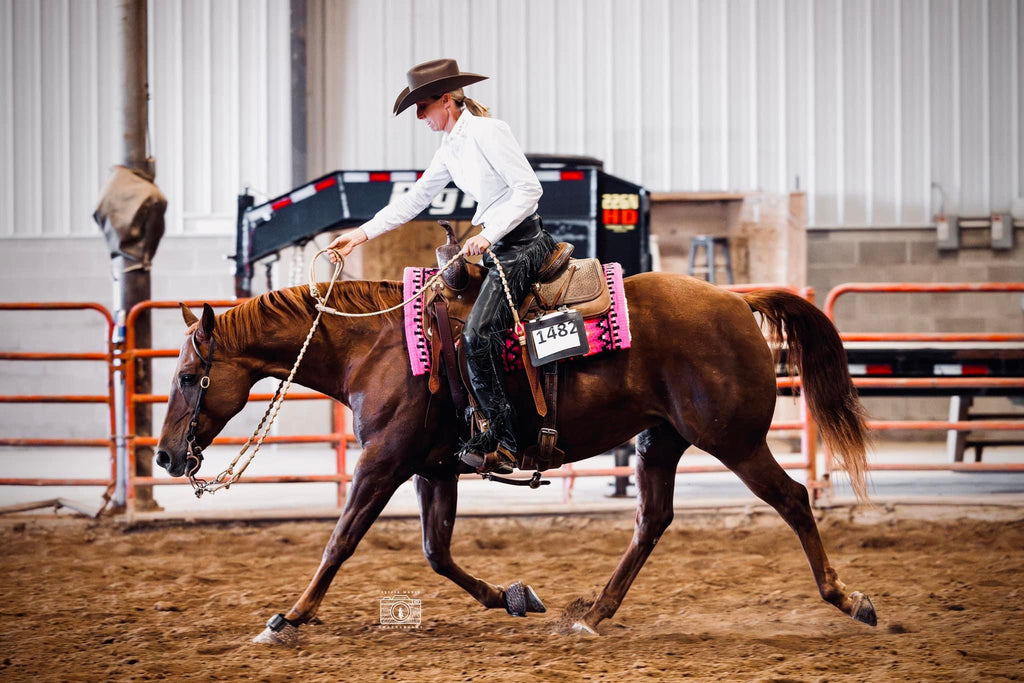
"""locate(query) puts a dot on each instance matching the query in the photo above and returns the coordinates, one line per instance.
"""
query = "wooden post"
(134, 90)
(131, 266)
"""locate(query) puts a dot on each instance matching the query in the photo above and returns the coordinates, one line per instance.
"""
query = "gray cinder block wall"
(838, 256)
(911, 255)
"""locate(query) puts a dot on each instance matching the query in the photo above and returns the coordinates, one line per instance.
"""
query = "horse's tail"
(817, 353)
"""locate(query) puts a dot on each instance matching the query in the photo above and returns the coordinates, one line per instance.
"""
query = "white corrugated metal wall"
(866, 101)
(219, 109)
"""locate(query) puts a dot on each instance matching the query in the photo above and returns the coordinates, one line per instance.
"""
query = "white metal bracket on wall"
(1000, 226)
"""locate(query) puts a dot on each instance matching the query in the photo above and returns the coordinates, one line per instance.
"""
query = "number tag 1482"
(556, 336)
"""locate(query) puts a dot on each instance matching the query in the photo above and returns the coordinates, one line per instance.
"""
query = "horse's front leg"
(373, 484)
(438, 498)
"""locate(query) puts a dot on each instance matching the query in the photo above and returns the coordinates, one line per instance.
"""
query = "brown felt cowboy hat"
(433, 78)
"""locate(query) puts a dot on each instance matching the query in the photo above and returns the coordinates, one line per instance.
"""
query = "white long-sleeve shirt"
(484, 160)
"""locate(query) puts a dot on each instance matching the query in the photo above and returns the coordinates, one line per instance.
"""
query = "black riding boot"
(521, 253)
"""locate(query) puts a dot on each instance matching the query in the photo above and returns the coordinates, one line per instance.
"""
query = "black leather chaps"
(521, 253)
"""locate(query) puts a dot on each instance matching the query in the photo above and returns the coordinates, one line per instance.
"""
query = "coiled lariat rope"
(229, 476)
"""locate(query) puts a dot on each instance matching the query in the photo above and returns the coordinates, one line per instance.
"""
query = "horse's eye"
(188, 380)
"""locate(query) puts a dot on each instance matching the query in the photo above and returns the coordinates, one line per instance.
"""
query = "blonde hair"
(474, 107)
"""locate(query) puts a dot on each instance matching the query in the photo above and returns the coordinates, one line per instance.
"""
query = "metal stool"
(708, 243)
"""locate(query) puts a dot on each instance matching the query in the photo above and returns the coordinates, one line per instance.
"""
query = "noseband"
(195, 453)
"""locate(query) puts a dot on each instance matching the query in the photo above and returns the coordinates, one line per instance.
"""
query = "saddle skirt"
(595, 289)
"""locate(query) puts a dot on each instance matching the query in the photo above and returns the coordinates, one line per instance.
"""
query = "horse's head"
(207, 390)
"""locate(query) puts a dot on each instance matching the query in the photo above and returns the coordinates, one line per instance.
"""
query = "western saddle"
(562, 282)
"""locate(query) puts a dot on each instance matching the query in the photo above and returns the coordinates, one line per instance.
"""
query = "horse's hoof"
(288, 636)
(863, 609)
(515, 599)
(581, 628)
(520, 599)
(533, 603)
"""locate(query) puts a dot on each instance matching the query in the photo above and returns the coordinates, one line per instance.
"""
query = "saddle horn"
(455, 276)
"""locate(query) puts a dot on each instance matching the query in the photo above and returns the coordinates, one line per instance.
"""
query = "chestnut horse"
(699, 372)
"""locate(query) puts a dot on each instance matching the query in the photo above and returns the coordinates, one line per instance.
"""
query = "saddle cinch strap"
(546, 455)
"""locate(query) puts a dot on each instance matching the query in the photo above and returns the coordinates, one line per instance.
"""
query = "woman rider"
(480, 155)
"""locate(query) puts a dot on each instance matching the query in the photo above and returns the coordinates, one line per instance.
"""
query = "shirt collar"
(459, 129)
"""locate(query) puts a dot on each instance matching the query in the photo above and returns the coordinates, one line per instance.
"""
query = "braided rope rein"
(229, 476)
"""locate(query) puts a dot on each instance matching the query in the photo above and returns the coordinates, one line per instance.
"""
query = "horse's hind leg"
(438, 501)
(658, 451)
(769, 482)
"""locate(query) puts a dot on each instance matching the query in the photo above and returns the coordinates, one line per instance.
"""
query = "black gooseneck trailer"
(599, 214)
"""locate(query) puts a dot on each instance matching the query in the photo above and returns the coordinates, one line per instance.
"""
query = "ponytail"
(474, 107)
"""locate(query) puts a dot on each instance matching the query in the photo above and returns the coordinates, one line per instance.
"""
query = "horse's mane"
(252, 320)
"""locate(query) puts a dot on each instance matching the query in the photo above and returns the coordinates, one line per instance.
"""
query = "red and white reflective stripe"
(304, 192)
(545, 176)
(959, 369)
(307, 191)
(550, 176)
(380, 176)
(862, 369)
(261, 215)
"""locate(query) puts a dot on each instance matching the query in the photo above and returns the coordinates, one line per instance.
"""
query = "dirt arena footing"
(726, 595)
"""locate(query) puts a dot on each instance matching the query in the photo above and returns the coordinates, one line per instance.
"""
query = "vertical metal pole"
(568, 483)
(621, 456)
(115, 397)
(243, 266)
(298, 73)
(128, 364)
(119, 428)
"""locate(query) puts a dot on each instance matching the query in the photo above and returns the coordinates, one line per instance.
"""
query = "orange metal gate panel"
(107, 398)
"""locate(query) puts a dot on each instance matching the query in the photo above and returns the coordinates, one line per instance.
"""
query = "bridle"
(195, 453)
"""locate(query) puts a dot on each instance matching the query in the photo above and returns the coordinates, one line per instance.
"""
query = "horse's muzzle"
(164, 459)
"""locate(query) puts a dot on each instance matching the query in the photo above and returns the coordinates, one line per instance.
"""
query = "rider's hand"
(475, 245)
(346, 242)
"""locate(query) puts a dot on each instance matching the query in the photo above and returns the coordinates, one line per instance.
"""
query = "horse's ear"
(206, 325)
(188, 315)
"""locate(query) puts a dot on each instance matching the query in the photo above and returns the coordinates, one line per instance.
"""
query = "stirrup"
(500, 461)
(534, 482)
